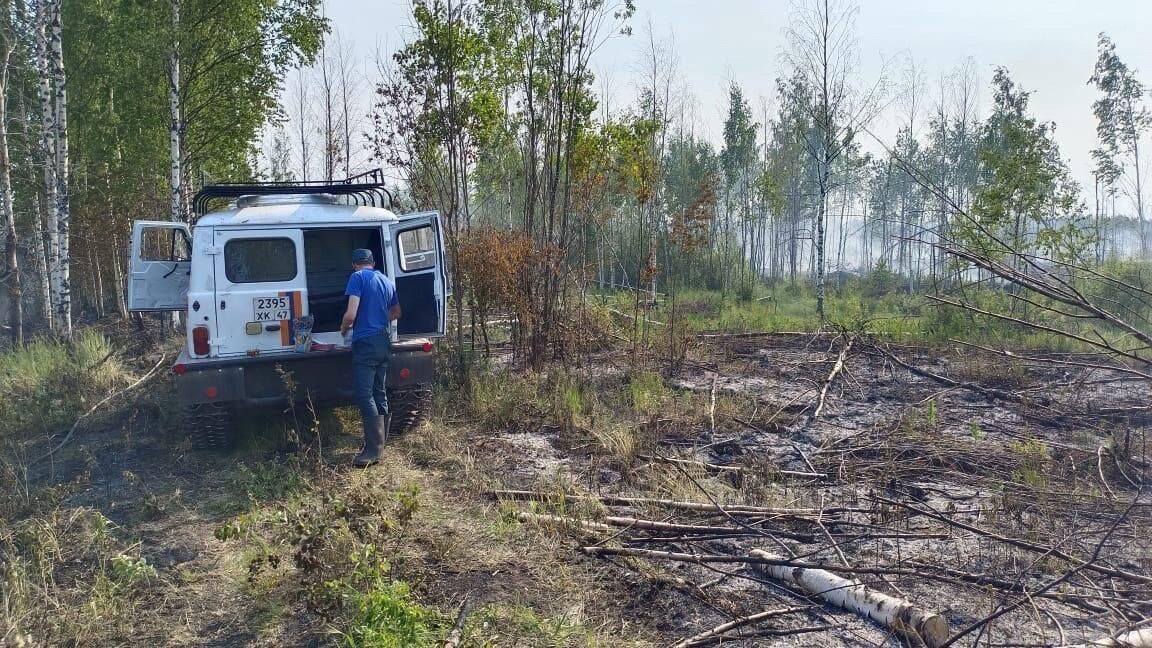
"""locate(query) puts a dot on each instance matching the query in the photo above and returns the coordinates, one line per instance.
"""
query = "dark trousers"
(370, 357)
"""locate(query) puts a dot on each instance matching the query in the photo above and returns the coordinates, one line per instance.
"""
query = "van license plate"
(270, 309)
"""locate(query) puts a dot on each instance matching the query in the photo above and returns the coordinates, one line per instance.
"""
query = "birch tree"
(54, 137)
(227, 62)
(823, 55)
(1122, 122)
(7, 211)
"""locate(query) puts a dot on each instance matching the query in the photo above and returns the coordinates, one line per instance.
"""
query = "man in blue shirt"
(372, 305)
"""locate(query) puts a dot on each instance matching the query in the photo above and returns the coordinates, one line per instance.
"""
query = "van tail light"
(180, 369)
(405, 374)
(427, 347)
(200, 340)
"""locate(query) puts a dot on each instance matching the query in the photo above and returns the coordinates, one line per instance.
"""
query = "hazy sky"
(1049, 46)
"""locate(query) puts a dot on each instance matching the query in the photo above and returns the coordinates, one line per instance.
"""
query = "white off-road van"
(267, 257)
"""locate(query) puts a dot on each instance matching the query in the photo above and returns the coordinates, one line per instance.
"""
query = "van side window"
(164, 244)
(260, 260)
(417, 249)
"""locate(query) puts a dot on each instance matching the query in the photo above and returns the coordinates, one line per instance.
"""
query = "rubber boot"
(373, 442)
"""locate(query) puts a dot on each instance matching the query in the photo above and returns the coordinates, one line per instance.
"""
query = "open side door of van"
(416, 261)
(159, 266)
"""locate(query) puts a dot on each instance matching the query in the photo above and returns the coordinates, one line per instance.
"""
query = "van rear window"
(417, 249)
(260, 260)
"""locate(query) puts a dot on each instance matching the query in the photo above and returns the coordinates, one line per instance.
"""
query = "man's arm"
(350, 314)
(393, 303)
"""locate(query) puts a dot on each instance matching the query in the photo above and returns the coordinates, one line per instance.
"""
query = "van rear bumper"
(324, 377)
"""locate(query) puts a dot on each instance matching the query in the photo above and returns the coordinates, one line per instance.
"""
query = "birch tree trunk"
(60, 135)
(7, 216)
(897, 615)
(176, 123)
(42, 244)
(48, 153)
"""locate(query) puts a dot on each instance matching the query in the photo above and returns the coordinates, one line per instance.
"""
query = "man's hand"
(350, 314)
(394, 312)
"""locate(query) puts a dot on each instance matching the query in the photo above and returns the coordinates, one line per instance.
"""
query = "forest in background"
(490, 113)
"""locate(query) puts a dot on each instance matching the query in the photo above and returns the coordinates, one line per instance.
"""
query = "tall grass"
(48, 384)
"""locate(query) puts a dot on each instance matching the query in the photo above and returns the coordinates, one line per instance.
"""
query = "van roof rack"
(365, 189)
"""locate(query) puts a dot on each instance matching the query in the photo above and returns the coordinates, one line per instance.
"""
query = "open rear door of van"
(159, 266)
(416, 262)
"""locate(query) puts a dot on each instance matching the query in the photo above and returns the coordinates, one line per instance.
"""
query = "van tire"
(408, 406)
(209, 426)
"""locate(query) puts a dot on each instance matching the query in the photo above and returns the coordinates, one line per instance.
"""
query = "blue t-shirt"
(377, 294)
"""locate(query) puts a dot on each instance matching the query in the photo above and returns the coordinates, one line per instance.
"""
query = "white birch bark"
(62, 162)
(7, 220)
(895, 614)
(48, 152)
(176, 123)
(43, 246)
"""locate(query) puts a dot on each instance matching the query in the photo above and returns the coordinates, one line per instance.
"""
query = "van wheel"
(408, 406)
(208, 426)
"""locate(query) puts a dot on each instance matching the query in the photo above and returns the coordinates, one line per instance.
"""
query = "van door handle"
(272, 328)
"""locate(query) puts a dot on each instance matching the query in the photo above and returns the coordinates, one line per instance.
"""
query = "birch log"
(895, 614)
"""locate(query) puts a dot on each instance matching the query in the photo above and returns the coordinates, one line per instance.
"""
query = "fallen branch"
(994, 393)
(95, 407)
(895, 614)
(457, 633)
(769, 632)
(898, 615)
(736, 469)
(1022, 544)
(633, 317)
(1056, 361)
(1100, 470)
(1134, 639)
(524, 516)
(758, 334)
(733, 509)
(836, 369)
(712, 409)
(653, 525)
(708, 635)
(921, 571)
(1001, 609)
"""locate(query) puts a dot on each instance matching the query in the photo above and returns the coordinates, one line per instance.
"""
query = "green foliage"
(384, 614)
(647, 392)
(881, 281)
(1034, 462)
(1121, 117)
(1028, 202)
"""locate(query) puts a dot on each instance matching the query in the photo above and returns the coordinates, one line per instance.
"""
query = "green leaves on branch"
(1028, 202)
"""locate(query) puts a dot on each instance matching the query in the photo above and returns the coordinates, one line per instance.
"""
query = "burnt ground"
(952, 485)
(966, 485)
